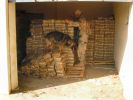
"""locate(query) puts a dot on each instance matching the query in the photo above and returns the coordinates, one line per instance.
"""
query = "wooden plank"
(12, 44)
(45, 0)
(12, 0)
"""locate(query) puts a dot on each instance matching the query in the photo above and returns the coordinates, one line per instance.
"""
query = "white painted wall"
(8, 58)
(124, 46)
(121, 12)
(4, 64)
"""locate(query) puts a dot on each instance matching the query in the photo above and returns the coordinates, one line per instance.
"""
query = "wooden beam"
(25, 0)
(12, 1)
(70, 0)
(77, 1)
(13, 47)
(118, 0)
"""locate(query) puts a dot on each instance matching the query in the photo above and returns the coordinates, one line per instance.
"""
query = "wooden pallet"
(75, 71)
(101, 62)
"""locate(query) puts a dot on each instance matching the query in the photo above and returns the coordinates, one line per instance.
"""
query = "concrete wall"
(121, 12)
(124, 46)
(65, 10)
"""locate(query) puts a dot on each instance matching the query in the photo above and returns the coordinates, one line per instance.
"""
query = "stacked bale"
(58, 25)
(29, 47)
(60, 64)
(54, 63)
(43, 71)
(48, 65)
(109, 39)
(70, 57)
(77, 71)
(90, 44)
(35, 43)
(101, 41)
(48, 26)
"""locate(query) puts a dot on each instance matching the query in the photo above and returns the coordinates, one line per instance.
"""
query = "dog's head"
(69, 43)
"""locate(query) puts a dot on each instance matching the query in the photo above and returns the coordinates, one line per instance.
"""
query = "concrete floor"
(100, 83)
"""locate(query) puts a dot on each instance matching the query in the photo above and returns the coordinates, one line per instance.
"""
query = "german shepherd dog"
(60, 39)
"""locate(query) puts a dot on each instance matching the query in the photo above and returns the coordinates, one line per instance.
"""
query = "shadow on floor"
(92, 72)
